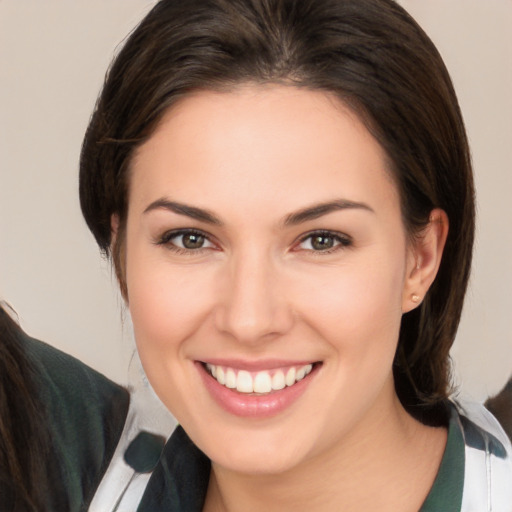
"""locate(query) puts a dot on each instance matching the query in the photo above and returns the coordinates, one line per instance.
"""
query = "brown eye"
(192, 241)
(322, 242)
(185, 240)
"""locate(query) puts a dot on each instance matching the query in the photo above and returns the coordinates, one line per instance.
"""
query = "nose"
(253, 306)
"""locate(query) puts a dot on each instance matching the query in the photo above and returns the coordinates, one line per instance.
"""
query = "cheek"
(358, 315)
(357, 308)
(166, 305)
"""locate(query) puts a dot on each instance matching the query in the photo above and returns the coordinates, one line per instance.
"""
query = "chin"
(254, 451)
(255, 462)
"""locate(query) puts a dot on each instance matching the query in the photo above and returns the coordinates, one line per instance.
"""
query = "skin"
(257, 290)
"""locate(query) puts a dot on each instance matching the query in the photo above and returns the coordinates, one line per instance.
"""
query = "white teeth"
(244, 382)
(278, 381)
(258, 382)
(230, 379)
(300, 374)
(262, 382)
(212, 369)
(290, 377)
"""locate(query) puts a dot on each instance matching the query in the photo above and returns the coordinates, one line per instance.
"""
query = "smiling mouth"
(258, 383)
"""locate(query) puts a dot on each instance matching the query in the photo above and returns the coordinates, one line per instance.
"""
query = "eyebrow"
(183, 209)
(321, 209)
(310, 213)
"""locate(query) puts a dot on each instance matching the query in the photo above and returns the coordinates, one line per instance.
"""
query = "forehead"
(257, 144)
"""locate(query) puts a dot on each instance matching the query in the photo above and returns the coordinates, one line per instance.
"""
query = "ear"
(423, 260)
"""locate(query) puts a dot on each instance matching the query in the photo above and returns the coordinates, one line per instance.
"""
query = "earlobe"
(424, 260)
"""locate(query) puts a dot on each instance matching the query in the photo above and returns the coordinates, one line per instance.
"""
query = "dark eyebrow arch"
(319, 210)
(183, 209)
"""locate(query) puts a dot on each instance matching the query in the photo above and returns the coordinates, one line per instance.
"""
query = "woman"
(285, 190)
(60, 422)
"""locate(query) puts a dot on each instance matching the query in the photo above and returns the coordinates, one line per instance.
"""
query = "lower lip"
(254, 406)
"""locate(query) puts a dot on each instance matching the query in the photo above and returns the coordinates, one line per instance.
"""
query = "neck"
(389, 462)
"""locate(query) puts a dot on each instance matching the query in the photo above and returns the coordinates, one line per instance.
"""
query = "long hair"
(24, 439)
(374, 57)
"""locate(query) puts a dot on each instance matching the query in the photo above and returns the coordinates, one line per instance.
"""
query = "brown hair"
(374, 57)
(24, 438)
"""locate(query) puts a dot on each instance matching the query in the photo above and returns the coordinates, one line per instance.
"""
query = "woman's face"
(265, 245)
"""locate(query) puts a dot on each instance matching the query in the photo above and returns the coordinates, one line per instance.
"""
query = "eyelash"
(341, 241)
(166, 240)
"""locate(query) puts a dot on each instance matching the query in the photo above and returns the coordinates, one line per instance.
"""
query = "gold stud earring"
(415, 298)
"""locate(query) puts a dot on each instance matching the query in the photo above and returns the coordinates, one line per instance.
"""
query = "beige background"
(53, 55)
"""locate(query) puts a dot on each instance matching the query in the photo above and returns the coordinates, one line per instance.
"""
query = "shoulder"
(65, 377)
(488, 459)
(85, 414)
(78, 398)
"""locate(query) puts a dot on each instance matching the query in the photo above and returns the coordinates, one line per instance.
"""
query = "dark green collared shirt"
(446, 493)
(180, 481)
(85, 413)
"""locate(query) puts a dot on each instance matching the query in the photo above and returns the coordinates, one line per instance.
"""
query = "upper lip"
(257, 365)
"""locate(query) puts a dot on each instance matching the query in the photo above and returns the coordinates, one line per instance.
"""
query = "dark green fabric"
(180, 481)
(86, 414)
(446, 493)
(144, 452)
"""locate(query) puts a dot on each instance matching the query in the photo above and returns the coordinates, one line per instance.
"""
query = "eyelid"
(344, 240)
(166, 240)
